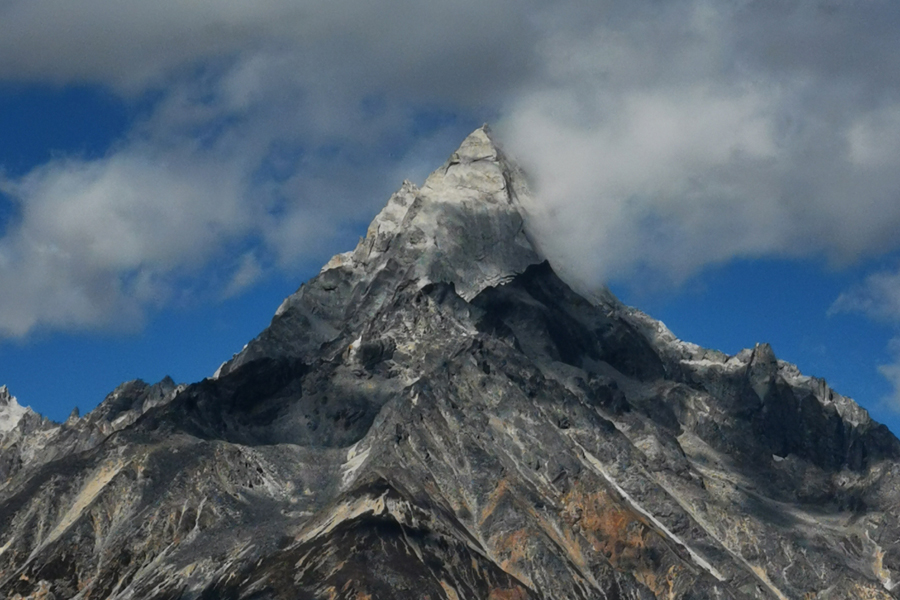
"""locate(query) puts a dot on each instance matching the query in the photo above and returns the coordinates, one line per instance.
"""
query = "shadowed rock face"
(438, 415)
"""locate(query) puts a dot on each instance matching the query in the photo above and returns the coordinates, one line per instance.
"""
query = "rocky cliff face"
(438, 415)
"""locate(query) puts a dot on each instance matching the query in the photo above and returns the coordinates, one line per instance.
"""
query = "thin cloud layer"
(662, 138)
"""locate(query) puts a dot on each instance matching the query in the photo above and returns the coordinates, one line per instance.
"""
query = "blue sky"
(170, 172)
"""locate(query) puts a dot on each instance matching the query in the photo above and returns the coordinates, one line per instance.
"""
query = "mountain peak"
(478, 145)
(463, 226)
(478, 167)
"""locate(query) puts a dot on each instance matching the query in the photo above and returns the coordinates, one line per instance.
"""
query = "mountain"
(437, 414)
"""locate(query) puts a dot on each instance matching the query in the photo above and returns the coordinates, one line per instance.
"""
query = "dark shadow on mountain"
(277, 401)
(551, 321)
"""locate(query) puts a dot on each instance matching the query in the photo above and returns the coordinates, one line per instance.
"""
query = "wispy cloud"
(247, 273)
(878, 297)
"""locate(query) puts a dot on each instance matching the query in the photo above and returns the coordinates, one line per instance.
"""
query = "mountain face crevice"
(437, 414)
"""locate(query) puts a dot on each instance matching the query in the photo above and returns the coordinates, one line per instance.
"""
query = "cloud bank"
(674, 136)
(662, 138)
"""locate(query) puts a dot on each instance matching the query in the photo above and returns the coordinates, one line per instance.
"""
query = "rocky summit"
(438, 415)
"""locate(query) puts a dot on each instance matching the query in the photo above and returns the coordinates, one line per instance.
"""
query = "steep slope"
(438, 415)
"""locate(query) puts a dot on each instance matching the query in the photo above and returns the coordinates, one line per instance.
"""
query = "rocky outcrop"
(35, 440)
(10, 411)
(437, 414)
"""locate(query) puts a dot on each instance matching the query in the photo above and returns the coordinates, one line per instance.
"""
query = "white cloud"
(97, 240)
(671, 137)
(661, 136)
(654, 185)
(251, 152)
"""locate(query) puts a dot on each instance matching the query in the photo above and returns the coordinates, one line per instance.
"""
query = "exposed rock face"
(35, 440)
(10, 411)
(438, 415)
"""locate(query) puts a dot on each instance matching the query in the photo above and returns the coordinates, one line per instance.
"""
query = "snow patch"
(354, 347)
(336, 261)
(218, 372)
(11, 412)
(282, 308)
(355, 459)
